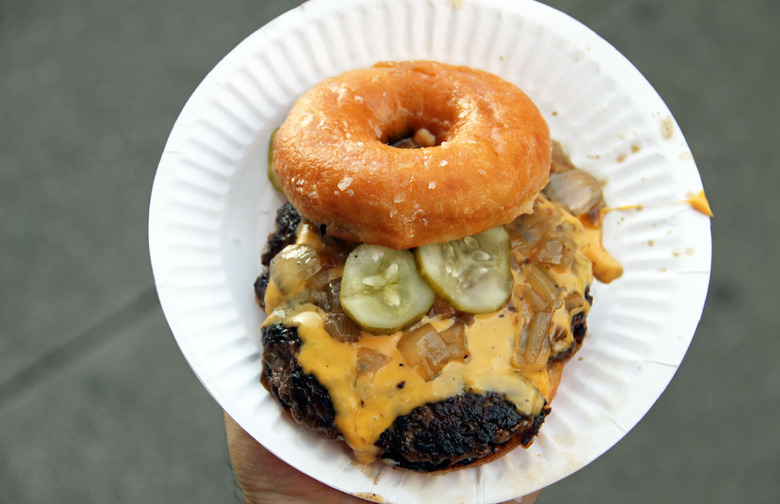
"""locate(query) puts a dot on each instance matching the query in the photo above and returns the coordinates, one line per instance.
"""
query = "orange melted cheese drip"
(700, 204)
(606, 268)
(367, 404)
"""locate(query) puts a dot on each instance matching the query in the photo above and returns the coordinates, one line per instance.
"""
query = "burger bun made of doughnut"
(335, 162)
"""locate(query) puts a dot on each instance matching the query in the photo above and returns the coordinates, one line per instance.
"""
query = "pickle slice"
(381, 289)
(272, 177)
(472, 273)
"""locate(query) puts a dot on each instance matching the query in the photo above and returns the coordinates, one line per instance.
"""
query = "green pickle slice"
(472, 273)
(272, 177)
(381, 289)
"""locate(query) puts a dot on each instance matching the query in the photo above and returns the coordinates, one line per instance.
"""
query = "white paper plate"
(212, 209)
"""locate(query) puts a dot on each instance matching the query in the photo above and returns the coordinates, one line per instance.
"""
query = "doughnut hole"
(429, 126)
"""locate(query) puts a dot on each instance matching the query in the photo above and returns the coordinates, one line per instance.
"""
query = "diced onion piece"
(530, 232)
(561, 340)
(472, 273)
(369, 361)
(534, 300)
(537, 348)
(575, 190)
(455, 339)
(341, 328)
(559, 249)
(424, 138)
(575, 303)
(428, 351)
(542, 284)
(327, 296)
(533, 343)
(291, 267)
(381, 289)
(560, 159)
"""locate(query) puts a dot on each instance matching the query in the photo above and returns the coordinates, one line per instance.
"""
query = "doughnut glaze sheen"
(335, 163)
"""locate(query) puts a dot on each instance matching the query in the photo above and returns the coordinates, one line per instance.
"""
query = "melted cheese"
(367, 403)
(700, 204)
(605, 267)
(273, 296)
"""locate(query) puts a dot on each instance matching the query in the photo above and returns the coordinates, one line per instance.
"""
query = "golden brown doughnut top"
(334, 162)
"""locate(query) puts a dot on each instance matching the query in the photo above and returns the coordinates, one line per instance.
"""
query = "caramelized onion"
(527, 232)
(533, 345)
(428, 351)
(561, 340)
(455, 338)
(369, 361)
(558, 249)
(560, 159)
(575, 190)
(291, 267)
(575, 303)
(539, 237)
(534, 300)
(541, 283)
(327, 296)
(341, 328)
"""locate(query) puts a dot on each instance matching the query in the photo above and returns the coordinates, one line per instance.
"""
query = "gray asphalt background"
(96, 402)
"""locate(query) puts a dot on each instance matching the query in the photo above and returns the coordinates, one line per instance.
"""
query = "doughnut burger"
(422, 291)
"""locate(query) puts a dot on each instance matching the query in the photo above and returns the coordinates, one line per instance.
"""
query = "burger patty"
(451, 433)
(287, 221)
(299, 393)
(457, 431)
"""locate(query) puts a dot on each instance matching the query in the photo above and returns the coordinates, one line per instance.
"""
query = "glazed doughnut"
(491, 157)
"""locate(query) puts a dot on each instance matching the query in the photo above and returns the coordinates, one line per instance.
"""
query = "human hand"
(265, 479)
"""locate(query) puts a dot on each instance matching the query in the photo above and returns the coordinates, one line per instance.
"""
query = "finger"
(263, 476)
